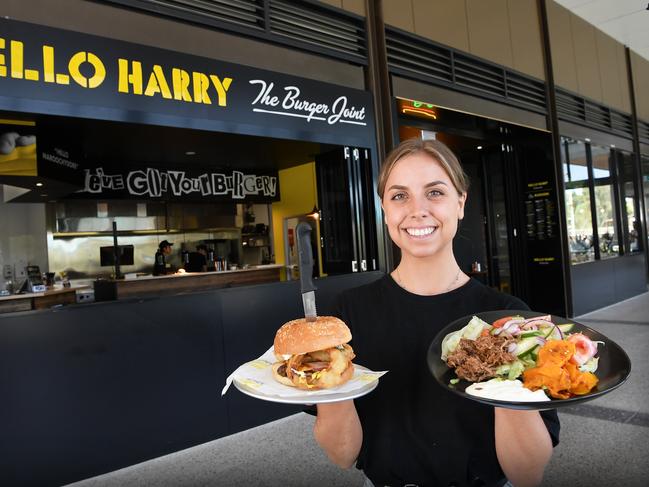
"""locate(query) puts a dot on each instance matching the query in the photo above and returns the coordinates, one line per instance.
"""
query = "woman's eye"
(398, 196)
(435, 192)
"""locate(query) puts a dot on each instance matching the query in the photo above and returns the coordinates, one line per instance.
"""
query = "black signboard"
(540, 211)
(150, 183)
(59, 72)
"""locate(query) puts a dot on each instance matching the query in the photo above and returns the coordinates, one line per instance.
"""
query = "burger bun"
(300, 336)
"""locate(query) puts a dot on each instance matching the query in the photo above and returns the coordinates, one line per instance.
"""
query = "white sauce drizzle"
(505, 390)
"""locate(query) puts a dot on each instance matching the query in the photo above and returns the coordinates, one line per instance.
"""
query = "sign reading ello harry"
(58, 72)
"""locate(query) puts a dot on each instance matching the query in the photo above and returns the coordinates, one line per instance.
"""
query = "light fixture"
(39, 184)
(315, 213)
(479, 147)
(190, 153)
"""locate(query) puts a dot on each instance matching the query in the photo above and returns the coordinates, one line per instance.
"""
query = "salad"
(543, 354)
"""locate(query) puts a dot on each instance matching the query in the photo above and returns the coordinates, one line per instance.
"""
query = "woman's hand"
(338, 431)
(523, 445)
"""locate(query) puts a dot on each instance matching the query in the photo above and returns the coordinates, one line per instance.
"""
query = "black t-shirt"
(415, 431)
(197, 262)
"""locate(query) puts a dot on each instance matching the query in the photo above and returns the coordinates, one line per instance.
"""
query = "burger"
(313, 354)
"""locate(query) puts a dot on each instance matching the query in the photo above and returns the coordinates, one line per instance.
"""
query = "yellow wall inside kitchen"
(298, 194)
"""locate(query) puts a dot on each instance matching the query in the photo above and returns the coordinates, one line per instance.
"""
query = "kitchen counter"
(195, 281)
(42, 300)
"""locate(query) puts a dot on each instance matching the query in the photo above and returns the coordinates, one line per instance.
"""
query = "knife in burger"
(313, 354)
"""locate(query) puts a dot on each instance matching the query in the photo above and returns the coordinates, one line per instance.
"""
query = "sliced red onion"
(557, 329)
(511, 348)
(514, 321)
(514, 329)
(536, 324)
(540, 340)
(544, 318)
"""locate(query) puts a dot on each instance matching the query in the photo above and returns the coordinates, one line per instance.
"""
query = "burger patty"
(281, 370)
(335, 360)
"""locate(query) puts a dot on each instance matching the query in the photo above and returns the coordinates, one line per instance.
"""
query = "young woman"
(411, 431)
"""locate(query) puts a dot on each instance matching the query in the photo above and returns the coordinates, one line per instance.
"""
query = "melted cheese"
(505, 390)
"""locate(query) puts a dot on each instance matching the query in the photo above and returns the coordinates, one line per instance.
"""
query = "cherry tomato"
(499, 323)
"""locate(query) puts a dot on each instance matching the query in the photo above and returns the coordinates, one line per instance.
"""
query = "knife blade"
(305, 255)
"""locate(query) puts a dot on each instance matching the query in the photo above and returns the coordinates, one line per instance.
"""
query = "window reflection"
(578, 202)
(602, 158)
(631, 203)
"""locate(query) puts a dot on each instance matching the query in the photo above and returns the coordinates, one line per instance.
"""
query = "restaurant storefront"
(138, 122)
(166, 145)
(128, 146)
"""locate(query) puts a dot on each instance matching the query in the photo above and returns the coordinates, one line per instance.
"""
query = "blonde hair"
(436, 150)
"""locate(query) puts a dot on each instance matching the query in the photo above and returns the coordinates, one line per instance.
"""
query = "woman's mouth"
(420, 232)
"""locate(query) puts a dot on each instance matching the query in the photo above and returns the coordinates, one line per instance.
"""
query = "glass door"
(498, 250)
(347, 216)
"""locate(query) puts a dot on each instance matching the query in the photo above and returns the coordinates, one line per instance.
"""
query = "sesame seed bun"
(301, 336)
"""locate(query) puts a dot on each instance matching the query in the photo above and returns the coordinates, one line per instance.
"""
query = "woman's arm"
(338, 432)
(523, 445)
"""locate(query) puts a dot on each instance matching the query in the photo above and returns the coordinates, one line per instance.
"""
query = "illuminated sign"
(418, 109)
(58, 72)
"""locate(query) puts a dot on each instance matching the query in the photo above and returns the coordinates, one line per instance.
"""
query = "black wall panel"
(88, 389)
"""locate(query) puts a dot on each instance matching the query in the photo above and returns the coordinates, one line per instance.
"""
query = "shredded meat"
(477, 360)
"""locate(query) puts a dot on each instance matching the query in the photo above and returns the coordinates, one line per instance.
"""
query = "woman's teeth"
(420, 232)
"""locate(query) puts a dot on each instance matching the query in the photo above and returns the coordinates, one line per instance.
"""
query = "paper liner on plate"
(258, 375)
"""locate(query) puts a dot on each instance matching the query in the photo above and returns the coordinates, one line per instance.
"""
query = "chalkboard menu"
(540, 211)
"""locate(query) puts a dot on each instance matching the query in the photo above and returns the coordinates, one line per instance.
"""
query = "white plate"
(312, 397)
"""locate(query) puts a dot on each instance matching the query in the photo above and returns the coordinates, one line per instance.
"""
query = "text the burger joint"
(74, 74)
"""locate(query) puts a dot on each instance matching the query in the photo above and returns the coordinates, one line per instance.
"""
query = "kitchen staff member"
(161, 266)
(197, 260)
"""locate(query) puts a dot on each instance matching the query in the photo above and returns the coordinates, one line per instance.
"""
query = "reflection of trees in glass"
(580, 225)
(633, 225)
(608, 242)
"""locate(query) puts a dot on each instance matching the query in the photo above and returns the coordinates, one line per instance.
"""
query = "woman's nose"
(418, 207)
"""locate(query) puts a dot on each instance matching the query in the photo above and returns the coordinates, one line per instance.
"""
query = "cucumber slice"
(566, 327)
(537, 333)
(525, 345)
(530, 355)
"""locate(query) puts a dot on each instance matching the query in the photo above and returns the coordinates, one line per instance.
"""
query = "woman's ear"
(461, 204)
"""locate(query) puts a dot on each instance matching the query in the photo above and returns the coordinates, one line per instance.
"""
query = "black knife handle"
(305, 254)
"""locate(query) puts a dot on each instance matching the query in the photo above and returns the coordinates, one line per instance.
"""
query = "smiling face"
(422, 207)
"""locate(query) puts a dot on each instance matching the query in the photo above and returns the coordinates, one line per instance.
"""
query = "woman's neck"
(429, 276)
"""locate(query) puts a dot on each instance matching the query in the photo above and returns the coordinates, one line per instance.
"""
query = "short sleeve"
(551, 420)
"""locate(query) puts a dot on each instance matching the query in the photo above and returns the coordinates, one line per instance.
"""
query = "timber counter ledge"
(42, 300)
(146, 286)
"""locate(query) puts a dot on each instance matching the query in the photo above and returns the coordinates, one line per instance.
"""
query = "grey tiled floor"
(603, 443)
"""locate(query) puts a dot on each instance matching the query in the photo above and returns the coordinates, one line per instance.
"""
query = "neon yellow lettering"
(180, 80)
(16, 59)
(157, 83)
(201, 85)
(75, 64)
(3, 66)
(133, 78)
(221, 88)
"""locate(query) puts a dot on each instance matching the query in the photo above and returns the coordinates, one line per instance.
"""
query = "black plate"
(613, 368)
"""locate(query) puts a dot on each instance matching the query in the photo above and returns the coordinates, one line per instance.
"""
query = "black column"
(638, 161)
(553, 125)
(377, 81)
